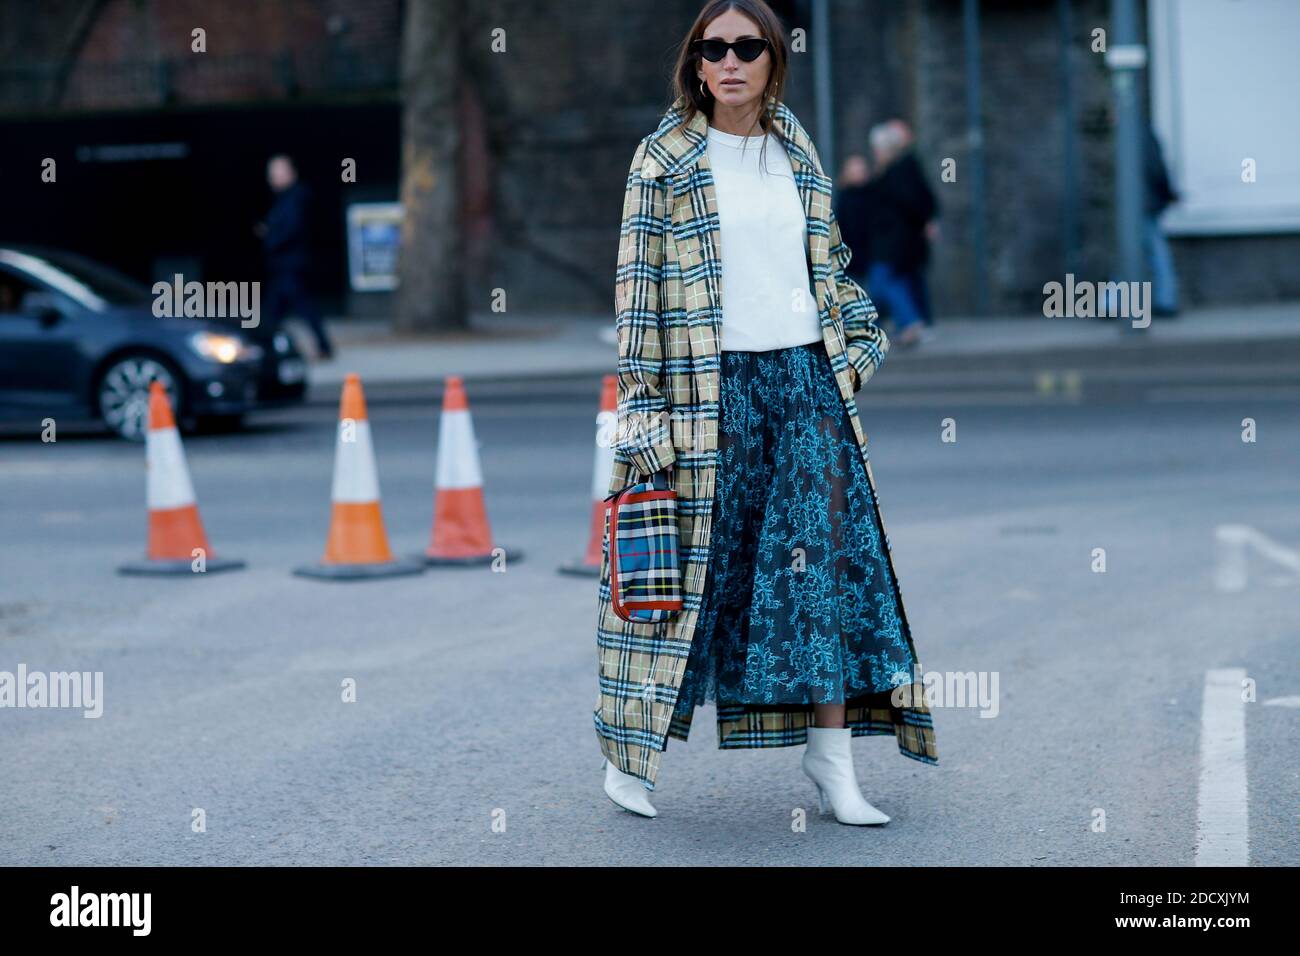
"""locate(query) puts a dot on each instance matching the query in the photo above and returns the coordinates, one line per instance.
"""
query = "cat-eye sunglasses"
(748, 49)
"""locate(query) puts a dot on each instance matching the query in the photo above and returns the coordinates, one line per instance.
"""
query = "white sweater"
(767, 302)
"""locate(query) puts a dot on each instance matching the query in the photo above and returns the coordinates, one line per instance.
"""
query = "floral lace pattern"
(799, 605)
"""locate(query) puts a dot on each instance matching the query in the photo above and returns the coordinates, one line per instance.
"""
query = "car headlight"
(223, 348)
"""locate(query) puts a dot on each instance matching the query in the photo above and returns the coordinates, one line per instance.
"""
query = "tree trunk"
(430, 269)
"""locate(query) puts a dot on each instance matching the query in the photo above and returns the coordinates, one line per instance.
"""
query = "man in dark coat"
(853, 205)
(286, 240)
(902, 209)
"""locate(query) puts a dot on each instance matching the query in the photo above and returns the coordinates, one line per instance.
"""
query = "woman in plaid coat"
(792, 620)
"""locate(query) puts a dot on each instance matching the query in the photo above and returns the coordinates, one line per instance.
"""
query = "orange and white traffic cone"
(461, 534)
(601, 475)
(357, 546)
(177, 542)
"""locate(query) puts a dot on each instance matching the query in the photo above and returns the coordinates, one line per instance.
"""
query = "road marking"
(1222, 826)
(1233, 540)
(1071, 382)
(1283, 702)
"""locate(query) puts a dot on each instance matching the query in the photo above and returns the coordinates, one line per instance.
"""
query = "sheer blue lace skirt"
(799, 603)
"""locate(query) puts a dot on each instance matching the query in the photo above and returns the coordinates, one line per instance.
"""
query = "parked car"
(77, 337)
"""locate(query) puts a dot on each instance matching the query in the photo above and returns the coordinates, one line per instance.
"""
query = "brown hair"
(685, 81)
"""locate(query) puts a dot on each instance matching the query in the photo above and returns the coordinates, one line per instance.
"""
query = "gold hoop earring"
(703, 95)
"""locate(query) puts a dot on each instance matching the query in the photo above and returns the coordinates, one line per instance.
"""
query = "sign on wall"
(374, 239)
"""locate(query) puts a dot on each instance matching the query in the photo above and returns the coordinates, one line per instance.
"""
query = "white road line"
(1233, 540)
(1222, 827)
(1202, 393)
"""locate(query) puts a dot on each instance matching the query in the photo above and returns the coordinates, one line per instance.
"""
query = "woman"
(741, 345)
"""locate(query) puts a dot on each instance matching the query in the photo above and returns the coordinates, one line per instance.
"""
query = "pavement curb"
(902, 369)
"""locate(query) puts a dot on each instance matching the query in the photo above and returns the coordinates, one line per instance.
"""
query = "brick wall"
(136, 54)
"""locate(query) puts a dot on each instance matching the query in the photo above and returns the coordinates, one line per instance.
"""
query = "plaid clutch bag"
(641, 540)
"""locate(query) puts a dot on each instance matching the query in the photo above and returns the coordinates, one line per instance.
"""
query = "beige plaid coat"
(669, 310)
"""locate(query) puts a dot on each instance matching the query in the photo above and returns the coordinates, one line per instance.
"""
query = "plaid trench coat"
(669, 312)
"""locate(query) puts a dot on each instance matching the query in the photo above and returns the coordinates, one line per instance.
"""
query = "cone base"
(359, 572)
(580, 568)
(180, 566)
(471, 560)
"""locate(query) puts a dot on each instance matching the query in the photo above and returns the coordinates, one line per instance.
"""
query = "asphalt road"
(471, 738)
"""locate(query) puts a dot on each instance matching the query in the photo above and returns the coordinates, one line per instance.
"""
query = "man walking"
(903, 207)
(286, 240)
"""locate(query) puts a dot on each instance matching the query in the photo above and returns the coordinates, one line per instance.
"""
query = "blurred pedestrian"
(286, 240)
(1160, 194)
(853, 206)
(902, 210)
(918, 279)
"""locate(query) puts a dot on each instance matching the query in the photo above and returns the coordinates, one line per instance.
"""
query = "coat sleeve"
(644, 432)
(866, 341)
(286, 224)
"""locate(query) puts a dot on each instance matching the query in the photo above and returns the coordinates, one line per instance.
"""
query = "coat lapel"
(673, 147)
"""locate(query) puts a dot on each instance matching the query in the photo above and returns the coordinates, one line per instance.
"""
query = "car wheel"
(124, 394)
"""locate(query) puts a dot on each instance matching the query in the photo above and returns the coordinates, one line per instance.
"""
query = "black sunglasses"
(748, 49)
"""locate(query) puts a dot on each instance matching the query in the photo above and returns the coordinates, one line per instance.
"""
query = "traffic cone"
(177, 542)
(601, 474)
(357, 546)
(461, 535)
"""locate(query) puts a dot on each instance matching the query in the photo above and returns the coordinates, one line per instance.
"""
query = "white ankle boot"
(627, 791)
(829, 762)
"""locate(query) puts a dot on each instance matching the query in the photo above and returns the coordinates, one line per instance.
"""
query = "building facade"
(552, 91)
